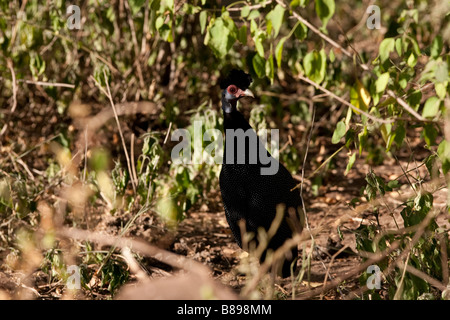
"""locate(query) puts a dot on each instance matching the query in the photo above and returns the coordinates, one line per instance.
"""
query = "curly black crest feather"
(237, 77)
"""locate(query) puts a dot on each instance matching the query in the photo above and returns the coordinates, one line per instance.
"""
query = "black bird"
(247, 193)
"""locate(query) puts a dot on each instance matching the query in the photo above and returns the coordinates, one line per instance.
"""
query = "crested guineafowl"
(252, 182)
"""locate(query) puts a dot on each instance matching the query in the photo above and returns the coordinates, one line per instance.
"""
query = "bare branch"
(49, 84)
(170, 258)
(405, 105)
(368, 115)
(435, 283)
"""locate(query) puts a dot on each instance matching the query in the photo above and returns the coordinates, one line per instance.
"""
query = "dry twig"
(108, 94)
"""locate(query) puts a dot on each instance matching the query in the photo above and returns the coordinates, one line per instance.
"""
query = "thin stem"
(108, 94)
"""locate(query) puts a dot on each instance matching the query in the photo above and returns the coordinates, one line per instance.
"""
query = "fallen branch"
(49, 84)
(146, 249)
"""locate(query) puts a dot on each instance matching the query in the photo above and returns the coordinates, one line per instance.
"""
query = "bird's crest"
(237, 77)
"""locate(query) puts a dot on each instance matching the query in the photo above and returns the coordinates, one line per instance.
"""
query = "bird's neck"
(228, 106)
(233, 119)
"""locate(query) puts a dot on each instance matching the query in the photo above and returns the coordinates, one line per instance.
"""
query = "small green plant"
(419, 243)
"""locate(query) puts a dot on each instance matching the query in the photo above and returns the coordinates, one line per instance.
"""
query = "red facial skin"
(232, 89)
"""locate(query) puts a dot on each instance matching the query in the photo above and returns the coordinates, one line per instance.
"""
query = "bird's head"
(234, 87)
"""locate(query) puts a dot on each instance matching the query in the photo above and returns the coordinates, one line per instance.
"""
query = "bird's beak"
(246, 93)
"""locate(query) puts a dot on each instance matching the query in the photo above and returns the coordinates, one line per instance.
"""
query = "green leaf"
(381, 82)
(259, 65)
(348, 118)
(354, 98)
(203, 18)
(308, 63)
(397, 136)
(159, 22)
(441, 71)
(441, 89)
(322, 65)
(166, 32)
(386, 47)
(314, 64)
(349, 137)
(362, 137)
(436, 47)
(431, 107)
(253, 15)
(269, 27)
(296, 3)
(242, 34)
(276, 18)
(416, 211)
(351, 161)
(400, 135)
(339, 132)
(394, 184)
(258, 40)
(398, 46)
(443, 152)
(375, 184)
(414, 99)
(373, 92)
(415, 46)
(386, 129)
(331, 55)
(429, 72)
(301, 31)
(430, 134)
(279, 51)
(325, 10)
(403, 80)
(412, 60)
(222, 36)
(245, 11)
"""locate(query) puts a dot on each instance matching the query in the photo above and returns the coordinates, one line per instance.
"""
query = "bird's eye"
(232, 89)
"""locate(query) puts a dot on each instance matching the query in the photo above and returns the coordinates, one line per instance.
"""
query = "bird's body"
(248, 194)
